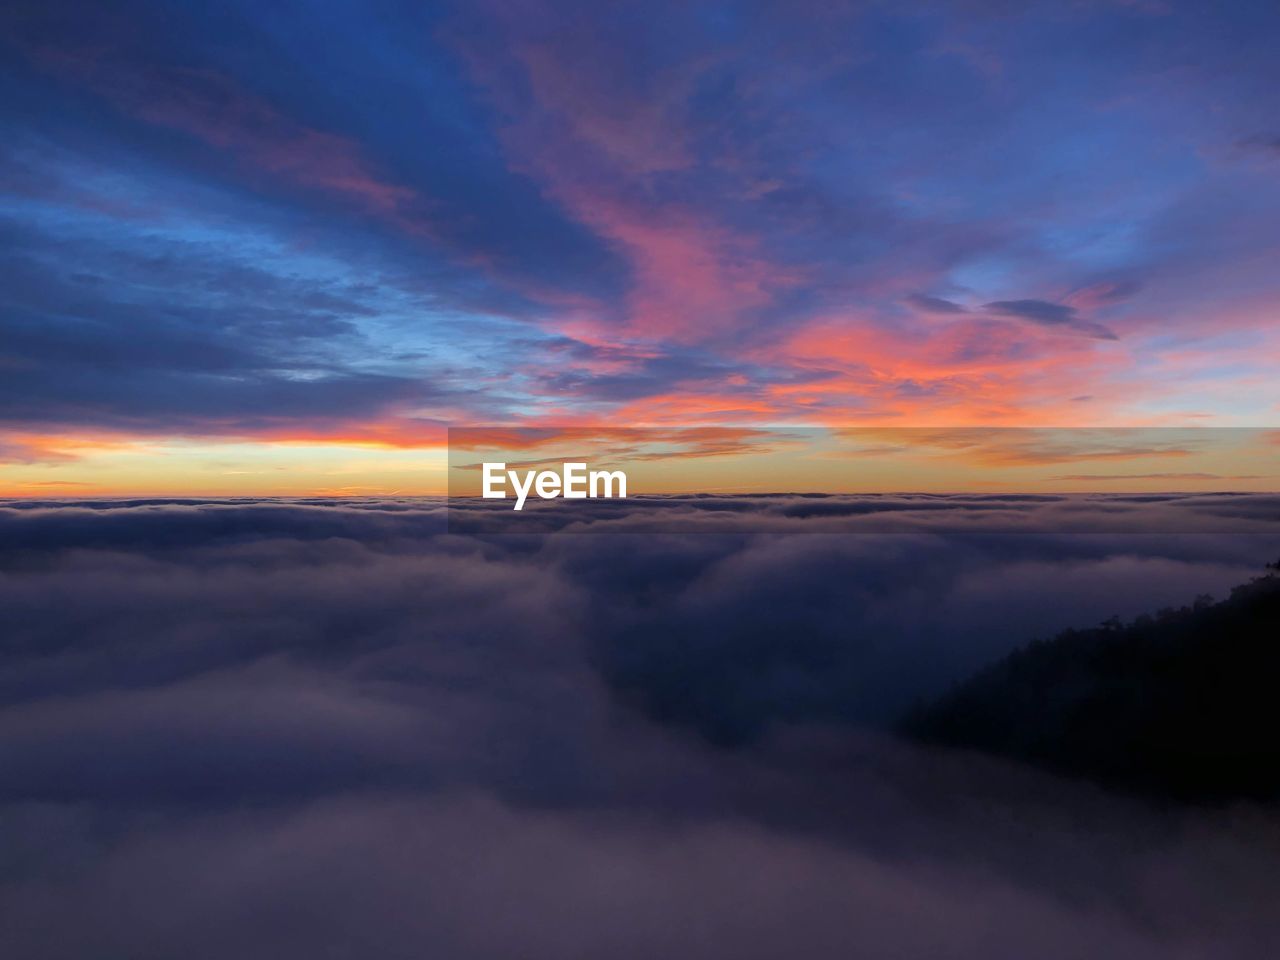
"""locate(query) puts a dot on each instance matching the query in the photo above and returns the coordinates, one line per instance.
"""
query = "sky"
(259, 262)
(281, 248)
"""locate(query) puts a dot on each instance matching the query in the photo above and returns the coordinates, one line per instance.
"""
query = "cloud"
(461, 192)
(1048, 314)
(211, 108)
(469, 877)
(246, 349)
(1104, 293)
(934, 304)
(1263, 142)
(15, 450)
(1159, 476)
(426, 743)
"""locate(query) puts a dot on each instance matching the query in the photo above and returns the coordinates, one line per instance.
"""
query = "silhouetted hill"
(1182, 705)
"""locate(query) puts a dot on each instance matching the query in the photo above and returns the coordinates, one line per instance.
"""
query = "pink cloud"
(603, 149)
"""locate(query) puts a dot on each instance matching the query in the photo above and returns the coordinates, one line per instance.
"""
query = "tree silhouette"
(1182, 704)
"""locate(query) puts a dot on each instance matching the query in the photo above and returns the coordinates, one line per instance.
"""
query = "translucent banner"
(863, 479)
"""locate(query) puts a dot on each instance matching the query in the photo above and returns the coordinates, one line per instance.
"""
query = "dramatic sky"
(269, 248)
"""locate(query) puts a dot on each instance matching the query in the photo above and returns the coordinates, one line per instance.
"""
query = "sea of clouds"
(311, 729)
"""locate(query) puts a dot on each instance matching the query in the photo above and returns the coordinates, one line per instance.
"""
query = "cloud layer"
(291, 727)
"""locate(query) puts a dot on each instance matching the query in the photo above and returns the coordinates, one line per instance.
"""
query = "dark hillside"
(1182, 705)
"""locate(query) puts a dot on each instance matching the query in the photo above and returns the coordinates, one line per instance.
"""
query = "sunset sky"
(281, 248)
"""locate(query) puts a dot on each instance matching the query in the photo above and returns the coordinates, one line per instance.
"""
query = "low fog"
(297, 729)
